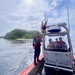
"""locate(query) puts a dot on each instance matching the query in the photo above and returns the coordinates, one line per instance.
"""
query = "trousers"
(36, 52)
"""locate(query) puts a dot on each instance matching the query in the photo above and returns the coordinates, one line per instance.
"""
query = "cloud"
(25, 15)
(33, 14)
(55, 3)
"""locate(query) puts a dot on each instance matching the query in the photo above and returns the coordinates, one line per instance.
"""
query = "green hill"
(20, 33)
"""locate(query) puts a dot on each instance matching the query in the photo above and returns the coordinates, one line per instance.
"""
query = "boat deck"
(38, 69)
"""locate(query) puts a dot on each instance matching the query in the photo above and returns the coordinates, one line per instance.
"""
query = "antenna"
(68, 18)
(45, 17)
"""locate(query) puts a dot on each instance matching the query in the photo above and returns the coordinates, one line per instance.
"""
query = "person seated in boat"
(51, 44)
(61, 43)
(56, 43)
(43, 26)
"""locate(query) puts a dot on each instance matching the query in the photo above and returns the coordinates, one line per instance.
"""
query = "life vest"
(37, 41)
(61, 44)
(51, 45)
(56, 44)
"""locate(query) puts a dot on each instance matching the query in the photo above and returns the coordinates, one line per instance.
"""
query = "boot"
(38, 60)
(35, 62)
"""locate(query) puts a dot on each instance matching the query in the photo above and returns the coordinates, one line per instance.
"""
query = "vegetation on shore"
(20, 33)
(1, 36)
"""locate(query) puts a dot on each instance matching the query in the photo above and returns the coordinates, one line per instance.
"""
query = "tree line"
(20, 33)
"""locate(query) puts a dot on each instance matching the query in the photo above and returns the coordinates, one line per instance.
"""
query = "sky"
(28, 14)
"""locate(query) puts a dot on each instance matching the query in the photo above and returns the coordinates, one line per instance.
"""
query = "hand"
(34, 47)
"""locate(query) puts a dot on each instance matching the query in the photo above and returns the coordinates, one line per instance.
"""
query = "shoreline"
(23, 39)
(17, 39)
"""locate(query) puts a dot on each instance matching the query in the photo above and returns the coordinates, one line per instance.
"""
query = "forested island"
(20, 33)
(1, 36)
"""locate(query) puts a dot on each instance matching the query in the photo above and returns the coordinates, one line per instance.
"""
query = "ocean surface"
(15, 56)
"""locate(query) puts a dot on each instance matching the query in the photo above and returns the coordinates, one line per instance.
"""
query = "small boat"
(56, 60)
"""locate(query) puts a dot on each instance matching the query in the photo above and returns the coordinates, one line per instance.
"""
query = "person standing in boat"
(43, 26)
(36, 46)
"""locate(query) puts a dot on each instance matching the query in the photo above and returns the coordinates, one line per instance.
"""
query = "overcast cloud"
(28, 14)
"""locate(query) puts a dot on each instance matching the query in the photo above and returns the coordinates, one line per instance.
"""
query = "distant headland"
(21, 34)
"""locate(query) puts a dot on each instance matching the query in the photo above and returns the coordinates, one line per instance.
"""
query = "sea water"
(15, 56)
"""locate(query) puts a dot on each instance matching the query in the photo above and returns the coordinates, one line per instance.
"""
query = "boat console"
(58, 56)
